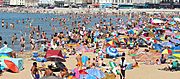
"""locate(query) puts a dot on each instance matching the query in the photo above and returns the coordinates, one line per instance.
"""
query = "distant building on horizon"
(17, 3)
(126, 1)
(1, 2)
(6, 2)
(31, 2)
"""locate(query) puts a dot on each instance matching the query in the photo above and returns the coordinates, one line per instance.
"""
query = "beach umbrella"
(167, 51)
(122, 40)
(87, 76)
(176, 48)
(113, 65)
(111, 51)
(96, 73)
(56, 58)
(167, 44)
(84, 59)
(108, 39)
(157, 47)
(11, 66)
(175, 41)
(51, 77)
(5, 50)
(111, 43)
(131, 31)
(177, 56)
(60, 65)
(157, 21)
(4, 57)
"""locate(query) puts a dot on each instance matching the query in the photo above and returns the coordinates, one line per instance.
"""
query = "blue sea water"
(20, 28)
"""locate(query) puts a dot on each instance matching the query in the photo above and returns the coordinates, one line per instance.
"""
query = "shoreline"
(82, 10)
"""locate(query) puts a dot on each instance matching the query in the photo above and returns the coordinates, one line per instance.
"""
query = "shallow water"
(35, 21)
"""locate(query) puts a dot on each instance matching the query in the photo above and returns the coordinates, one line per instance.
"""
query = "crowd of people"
(87, 36)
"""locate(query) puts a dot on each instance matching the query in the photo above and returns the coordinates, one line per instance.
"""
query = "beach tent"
(53, 55)
(11, 66)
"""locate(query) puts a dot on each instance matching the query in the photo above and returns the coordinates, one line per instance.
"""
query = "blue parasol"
(5, 50)
(96, 73)
(112, 51)
(131, 32)
(175, 41)
(167, 44)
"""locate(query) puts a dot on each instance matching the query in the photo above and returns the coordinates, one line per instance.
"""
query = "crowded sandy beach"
(90, 44)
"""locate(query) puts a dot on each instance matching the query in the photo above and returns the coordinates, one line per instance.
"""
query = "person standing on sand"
(123, 67)
(34, 71)
(79, 62)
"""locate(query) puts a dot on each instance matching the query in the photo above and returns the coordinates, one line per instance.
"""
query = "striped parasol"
(112, 51)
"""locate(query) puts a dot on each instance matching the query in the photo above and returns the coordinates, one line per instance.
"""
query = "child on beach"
(35, 71)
